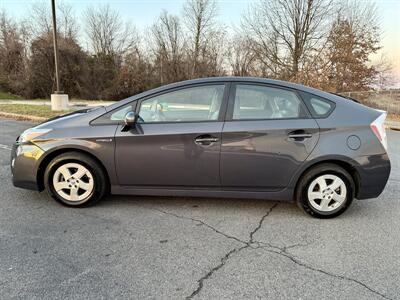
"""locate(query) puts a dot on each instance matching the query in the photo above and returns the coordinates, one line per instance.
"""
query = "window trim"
(137, 103)
(231, 104)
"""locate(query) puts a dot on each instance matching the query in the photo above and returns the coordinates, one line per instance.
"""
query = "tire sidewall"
(304, 202)
(96, 193)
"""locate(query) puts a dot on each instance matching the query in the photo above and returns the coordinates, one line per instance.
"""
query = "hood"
(73, 118)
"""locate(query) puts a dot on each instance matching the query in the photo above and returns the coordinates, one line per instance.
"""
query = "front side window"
(115, 116)
(201, 103)
(262, 102)
(120, 114)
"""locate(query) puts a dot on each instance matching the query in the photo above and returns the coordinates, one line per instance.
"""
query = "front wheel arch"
(50, 156)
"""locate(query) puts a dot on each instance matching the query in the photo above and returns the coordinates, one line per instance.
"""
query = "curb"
(72, 104)
(392, 125)
(19, 117)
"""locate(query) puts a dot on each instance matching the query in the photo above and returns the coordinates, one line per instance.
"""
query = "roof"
(231, 79)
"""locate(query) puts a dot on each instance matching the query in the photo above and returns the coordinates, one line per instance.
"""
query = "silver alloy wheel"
(73, 182)
(327, 193)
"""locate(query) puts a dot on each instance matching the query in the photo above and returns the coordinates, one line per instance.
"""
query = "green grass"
(31, 110)
(8, 96)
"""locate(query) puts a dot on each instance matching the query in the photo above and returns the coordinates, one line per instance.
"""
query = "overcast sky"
(143, 12)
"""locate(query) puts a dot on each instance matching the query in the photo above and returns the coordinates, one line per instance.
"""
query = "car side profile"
(213, 137)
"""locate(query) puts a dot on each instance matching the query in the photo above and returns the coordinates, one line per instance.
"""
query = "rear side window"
(319, 107)
(263, 103)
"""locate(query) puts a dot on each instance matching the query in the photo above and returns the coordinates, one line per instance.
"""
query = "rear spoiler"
(346, 97)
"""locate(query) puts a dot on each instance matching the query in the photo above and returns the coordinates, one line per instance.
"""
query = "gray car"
(214, 137)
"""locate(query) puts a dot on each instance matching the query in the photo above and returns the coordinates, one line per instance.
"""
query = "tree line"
(322, 43)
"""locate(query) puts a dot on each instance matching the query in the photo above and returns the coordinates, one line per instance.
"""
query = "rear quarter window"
(318, 107)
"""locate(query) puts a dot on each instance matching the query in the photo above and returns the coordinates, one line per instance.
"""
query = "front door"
(176, 142)
(268, 137)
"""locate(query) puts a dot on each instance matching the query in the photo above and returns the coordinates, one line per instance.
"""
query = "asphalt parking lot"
(163, 248)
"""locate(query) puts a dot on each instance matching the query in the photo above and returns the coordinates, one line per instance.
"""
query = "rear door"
(177, 140)
(267, 136)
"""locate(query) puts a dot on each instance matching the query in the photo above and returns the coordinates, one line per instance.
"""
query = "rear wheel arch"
(347, 166)
(50, 156)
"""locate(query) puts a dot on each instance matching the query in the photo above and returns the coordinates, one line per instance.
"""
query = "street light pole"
(59, 101)
(53, 9)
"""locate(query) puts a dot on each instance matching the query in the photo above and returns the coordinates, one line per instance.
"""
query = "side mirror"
(130, 119)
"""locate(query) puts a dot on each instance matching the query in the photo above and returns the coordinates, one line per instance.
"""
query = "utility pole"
(53, 10)
(59, 100)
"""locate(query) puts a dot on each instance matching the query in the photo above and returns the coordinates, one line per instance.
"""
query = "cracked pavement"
(195, 248)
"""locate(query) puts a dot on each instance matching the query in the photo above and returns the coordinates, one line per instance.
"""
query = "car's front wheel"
(325, 191)
(75, 179)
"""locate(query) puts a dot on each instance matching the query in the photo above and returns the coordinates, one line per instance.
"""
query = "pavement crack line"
(281, 249)
(213, 270)
(228, 255)
(283, 252)
(251, 237)
(268, 247)
(202, 223)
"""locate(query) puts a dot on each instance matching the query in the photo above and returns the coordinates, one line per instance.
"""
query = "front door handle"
(205, 140)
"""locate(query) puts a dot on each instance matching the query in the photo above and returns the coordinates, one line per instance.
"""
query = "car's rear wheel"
(75, 179)
(325, 191)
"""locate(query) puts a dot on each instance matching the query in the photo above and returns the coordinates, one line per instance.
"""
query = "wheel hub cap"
(73, 182)
(327, 193)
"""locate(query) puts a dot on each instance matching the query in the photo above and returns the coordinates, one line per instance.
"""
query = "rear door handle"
(206, 140)
(299, 135)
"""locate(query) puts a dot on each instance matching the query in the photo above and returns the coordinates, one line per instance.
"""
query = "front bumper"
(24, 165)
(373, 174)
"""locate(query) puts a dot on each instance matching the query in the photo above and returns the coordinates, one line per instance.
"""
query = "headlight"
(32, 133)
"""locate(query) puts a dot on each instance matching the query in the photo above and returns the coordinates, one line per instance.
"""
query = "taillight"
(378, 128)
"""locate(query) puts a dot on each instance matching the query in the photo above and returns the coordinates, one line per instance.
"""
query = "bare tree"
(168, 47)
(107, 34)
(286, 31)
(40, 19)
(12, 55)
(73, 70)
(136, 75)
(39, 22)
(200, 21)
(241, 56)
(67, 20)
(384, 76)
(214, 55)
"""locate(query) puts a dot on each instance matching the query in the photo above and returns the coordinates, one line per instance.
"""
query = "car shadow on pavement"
(214, 206)
(226, 204)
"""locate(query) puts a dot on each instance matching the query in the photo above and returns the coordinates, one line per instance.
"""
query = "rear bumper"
(24, 163)
(373, 171)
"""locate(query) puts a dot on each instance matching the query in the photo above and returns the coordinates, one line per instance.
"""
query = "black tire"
(99, 178)
(301, 195)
